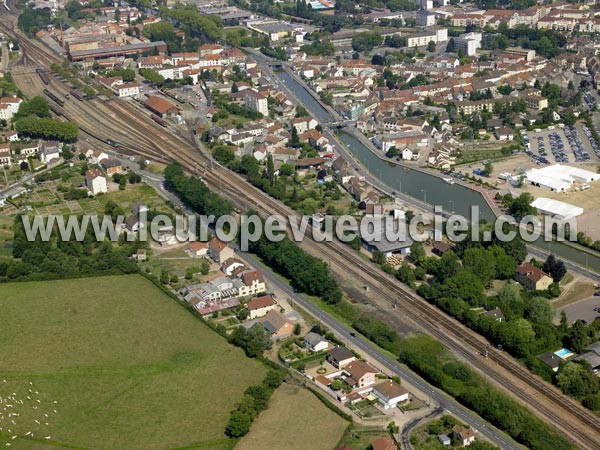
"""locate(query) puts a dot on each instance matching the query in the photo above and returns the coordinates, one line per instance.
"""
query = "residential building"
(551, 360)
(469, 43)
(260, 306)
(50, 150)
(198, 249)
(219, 251)
(277, 325)
(315, 342)
(390, 394)
(465, 436)
(340, 357)
(111, 166)
(9, 107)
(256, 101)
(254, 283)
(383, 443)
(11, 136)
(5, 154)
(2, 201)
(533, 278)
(425, 18)
(360, 374)
(95, 182)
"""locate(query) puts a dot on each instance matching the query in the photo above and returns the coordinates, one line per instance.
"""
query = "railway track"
(137, 134)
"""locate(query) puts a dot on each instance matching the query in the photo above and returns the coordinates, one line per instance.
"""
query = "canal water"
(423, 186)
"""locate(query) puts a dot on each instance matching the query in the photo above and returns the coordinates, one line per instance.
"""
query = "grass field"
(295, 420)
(127, 366)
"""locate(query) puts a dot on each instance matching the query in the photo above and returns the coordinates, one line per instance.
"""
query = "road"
(373, 354)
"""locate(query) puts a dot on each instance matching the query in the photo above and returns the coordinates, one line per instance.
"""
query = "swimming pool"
(563, 353)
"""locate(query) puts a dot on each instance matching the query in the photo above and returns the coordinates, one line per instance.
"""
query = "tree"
(555, 267)
(301, 111)
(451, 47)
(270, 170)
(575, 380)
(480, 262)
(238, 425)
(37, 106)
(366, 41)
(488, 168)
(378, 257)
(164, 277)
(417, 251)
(539, 310)
(431, 46)
(204, 266)
(254, 341)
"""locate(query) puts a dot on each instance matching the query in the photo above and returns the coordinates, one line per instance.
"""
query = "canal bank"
(426, 187)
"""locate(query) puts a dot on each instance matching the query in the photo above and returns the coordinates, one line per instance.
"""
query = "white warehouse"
(557, 209)
(559, 178)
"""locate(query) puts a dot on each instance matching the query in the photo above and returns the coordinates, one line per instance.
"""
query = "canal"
(423, 186)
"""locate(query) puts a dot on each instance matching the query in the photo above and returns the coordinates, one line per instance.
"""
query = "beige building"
(533, 278)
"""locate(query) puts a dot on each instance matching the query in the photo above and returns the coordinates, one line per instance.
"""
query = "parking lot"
(561, 145)
(588, 310)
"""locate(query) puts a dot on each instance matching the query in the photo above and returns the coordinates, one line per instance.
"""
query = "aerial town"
(147, 148)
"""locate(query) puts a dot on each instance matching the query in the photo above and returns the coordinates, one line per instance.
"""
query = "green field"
(127, 367)
(295, 420)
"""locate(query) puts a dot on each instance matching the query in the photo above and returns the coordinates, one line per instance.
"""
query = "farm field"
(122, 365)
(295, 420)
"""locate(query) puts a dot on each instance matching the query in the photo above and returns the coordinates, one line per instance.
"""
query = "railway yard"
(137, 133)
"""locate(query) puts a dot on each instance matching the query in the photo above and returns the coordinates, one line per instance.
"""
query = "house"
(198, 248)
(383, 443)
(5, 154)
(277, 325)
(111, 166)
(303, 124)
(11, 136)
(551, 360)
(390, 394)
(2, 201)
(140, 255)
(219, 251)
(161, 107)
(496, 313)
(95, 182)
(254, 283)
(465, 436)
(439, 248)
(340, 357)
(359, 374)
(133, 224)
(505, 134)
(95, 156)
(233, 267)
(50, 150)
(260, 306)
(533, 278)
(315, 342)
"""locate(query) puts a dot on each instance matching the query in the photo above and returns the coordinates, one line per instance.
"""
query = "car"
(353, 334)
(597, 309)
(597, 294)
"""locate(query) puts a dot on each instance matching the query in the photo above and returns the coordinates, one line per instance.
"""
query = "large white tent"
(555, 208)
(558, 177)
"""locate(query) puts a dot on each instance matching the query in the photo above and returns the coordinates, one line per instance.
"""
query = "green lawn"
(127, 366)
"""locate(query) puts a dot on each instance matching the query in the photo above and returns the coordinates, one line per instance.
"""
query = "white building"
(95, 182)
(127, 89)
(315, 342)
(468, 42)
(256, 101)
(390, 394)
(5, 155)
(50, 150)
(559, 178)
(425, 18)
(422, 39)
(2, 201)
(9, 107)
(557, 209)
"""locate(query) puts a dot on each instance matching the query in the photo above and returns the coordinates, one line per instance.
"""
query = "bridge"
(339, 123)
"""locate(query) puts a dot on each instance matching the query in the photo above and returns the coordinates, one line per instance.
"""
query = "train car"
(43, 76)
(54, 97)
(158, 120)
(75, 93)
(112, 143)
(56, 110)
